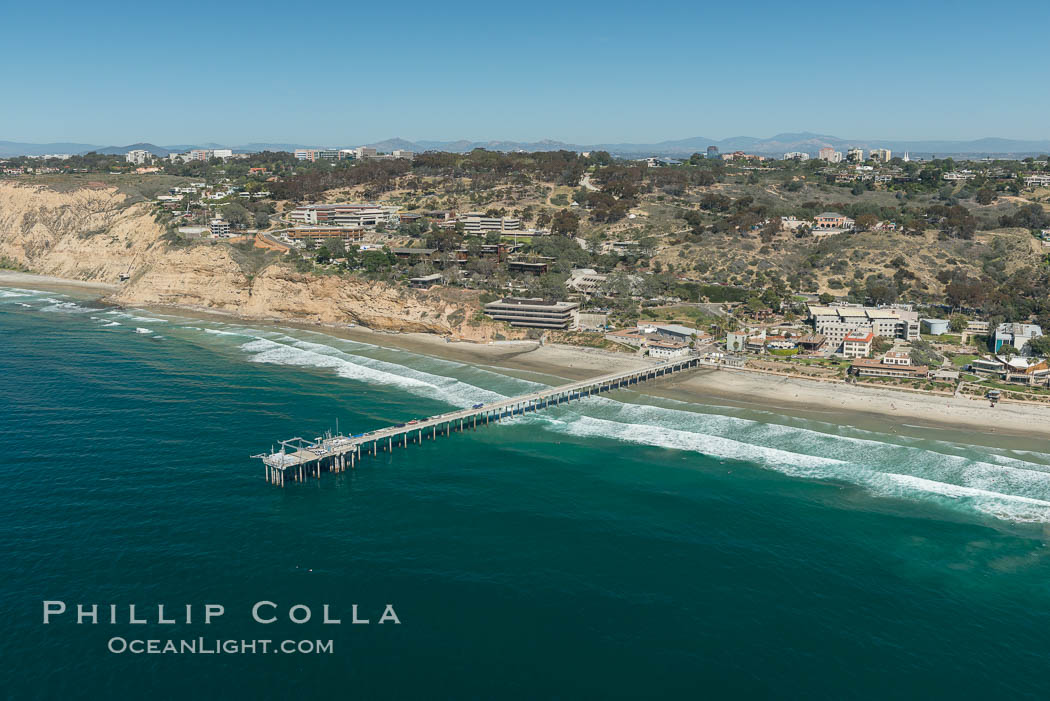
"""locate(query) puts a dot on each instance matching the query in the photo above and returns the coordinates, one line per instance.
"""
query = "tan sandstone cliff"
(92, 234)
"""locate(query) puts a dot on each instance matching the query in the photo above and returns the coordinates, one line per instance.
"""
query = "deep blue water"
(625, 547)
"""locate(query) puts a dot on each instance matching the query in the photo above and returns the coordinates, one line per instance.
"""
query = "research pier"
(300, 459)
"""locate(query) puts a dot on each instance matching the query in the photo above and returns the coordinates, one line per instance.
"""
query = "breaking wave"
(294, 352)
(953, 474)
(136, 317)
(63, 306)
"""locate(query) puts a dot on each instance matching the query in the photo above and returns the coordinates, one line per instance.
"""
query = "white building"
(138, 157)
(673, 332)
(402, 153)
(1016, 335)
(365, 152)
(896, 358)
(219, 227)
(222, 153)
(855, 155)
(587, 281)
(346, 215)
(665, 350)
(796, 156)
(476, 223)
(839, 321)
(881, 154)
(857, 344)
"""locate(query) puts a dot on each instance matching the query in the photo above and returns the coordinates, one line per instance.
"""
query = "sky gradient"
(336, 74)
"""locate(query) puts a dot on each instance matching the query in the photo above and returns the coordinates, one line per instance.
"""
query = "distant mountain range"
(15, 148)
(772, 146)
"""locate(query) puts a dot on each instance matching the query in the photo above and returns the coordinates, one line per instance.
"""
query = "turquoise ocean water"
(624, 547)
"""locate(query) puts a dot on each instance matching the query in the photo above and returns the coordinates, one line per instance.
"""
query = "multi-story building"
(736, 341)
(586, 281)
(832, 221)
(476, 223)
(402, 153)
(826, 153)
(1016, 335)
(835, 333)
(365, 152)
(836, 322)
(897, 358)
(666, 350)
(870, 367)
(317, 154)
(223, 153)
(535, 313)
(712, 152)
(857, 344)
(796, 156)
(199, 154)
(355, 216)
(219, 227)
(881, 154)
(348, 234)
(138, 157)
(855, 155)
(977, 326)
(1037, 180)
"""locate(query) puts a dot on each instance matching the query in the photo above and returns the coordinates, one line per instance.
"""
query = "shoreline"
(16, 277)
(885, 410)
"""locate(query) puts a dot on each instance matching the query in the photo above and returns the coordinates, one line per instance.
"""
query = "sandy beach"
(19, 279)
(875, 408)
(1023, 426)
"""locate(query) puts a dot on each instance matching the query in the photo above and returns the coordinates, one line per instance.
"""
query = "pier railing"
(299, 458)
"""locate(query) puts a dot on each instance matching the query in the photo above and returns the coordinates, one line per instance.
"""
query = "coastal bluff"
(97, 234)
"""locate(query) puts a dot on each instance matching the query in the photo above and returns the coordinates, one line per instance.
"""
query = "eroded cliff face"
(94, 235)
(87, 234)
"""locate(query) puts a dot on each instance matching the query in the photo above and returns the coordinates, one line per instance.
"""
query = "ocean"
(623, 547)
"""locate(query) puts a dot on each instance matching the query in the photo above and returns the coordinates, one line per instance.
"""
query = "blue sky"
(336, 73)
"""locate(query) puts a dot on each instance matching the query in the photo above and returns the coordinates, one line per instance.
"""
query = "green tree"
(985, 196)
(565, 223)
(958, 322)
(1040, 346)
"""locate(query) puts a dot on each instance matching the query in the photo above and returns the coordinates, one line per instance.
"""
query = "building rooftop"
(415, 251)
(675, 329)
(534, 302)
(875, 363)
(1027, 330)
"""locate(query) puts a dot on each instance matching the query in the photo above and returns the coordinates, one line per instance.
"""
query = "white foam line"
(1002, 491)
(64, 307)
(134, 317)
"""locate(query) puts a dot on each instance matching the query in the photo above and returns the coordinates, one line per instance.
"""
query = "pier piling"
(331, 453)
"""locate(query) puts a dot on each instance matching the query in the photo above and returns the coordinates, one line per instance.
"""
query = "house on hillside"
(1015, 335)
(832, 223)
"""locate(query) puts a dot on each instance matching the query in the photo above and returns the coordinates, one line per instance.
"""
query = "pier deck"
(300, 458)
